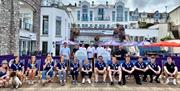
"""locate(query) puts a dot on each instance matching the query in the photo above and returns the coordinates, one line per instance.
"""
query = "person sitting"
(141, 69)
(32, 69)
(48, 69)
(170, 70)
(86, 71)
(128, 69)
(100, 68)
(4, 74)
(114, 69)
(154, 70)
(74, 70)
(62, 67)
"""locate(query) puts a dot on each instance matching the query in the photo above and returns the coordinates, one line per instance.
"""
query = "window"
(91, 26)
(108, 26)
(84, 13)
(126, 15)
(113, 15)
(83, 25)
(95, 26)
(91, 15)
(78, 25)
(119, 13)
(44, 47)
(58, 26)
(86, 25)
(78, 15)
(45, 25)
(101, 14)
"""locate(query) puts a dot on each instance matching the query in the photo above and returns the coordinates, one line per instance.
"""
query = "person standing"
(90, 54)
(120, 53)
(65, 51)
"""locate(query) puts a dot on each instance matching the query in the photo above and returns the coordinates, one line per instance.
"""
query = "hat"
(4, 62)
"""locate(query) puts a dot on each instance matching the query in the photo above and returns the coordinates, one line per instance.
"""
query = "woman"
(18, 67)
(32, 69)
(86, 71)
(62, 67)
(4, 74)
(48, 69)
(74, 69)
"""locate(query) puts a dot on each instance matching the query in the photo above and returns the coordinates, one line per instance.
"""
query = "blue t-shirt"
(128, 66)
(100, 66)
(49, 65)
(140, 65)
(114, 66)
(154, 66)
(17, 67)
(87, 66)
(61, 65)
(32, 66)
(75, 66)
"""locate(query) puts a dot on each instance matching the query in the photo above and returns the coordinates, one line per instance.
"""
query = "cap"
(4, 62)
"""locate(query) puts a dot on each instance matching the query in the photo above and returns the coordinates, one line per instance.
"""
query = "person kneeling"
(62, 67)
(154, 70)
(74, 69)
(128, 69)
(114, 69)
(100, 68)
(170, 70)
(86, 71)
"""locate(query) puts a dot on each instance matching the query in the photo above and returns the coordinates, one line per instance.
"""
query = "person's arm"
(176, 70)
(132, 70)
(109, 68)
(136, 68)
(159, 69)
(151, 68)
(125, 70)
(165, 69)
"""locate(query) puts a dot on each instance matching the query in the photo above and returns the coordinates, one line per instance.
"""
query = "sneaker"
(174, 81)
(157, 81)
(167, 81)
(89, 80)
(139, 83)
(83, 81)
(119, 83)
(111, 83)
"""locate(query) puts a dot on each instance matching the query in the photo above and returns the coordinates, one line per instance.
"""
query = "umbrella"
(110, 43)
(165, 44)
(130, 44)
(66, 41)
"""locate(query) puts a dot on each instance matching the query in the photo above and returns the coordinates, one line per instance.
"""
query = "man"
(140, 69)
(100, 68)
(114, 69)
(86, 71)
(90, 53)
(128, 69)
(154, 69)
(120, 53)
(65, 51)
(170, 70)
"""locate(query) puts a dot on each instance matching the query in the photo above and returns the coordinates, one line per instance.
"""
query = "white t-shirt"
(99, 51)
(90, 52)
(65, 52)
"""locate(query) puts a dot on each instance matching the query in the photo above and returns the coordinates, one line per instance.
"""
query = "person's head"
(100, 58)
(16, 59)
(153, 59)
(169, 60)
(61, 58)
(86, 61)
(120, 47)
(75, 60)
(4, 64)
(140, 59)
(65, 44)
(33, 59)
(76, 46)
(127, 58)
(49, 57)
(114, 60)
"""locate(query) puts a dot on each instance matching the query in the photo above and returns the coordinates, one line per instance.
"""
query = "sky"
(142, 5)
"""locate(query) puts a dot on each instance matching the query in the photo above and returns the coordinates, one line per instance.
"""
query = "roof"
(174, 9)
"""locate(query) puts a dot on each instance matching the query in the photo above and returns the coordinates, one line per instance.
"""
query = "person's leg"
(145, 76)
(72, 74)
(123, 77)
(60, 75)
(110, 75)
(157, 77)
(136, 76)
(150, 73)
(76, 75)
(43, 76)
(96, 75)
(120, 75)
(64, 76)
(51, 74)
(33, 74)
(83, 75)
(104, 76)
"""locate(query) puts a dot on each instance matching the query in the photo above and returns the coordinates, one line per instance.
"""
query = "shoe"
(157, 81)
(151, 81)
(139, 83)
(89, 81)
(111, 83)
(123, 83)
(83, 81)
(167, 81)
(119, 83)
(174, 81)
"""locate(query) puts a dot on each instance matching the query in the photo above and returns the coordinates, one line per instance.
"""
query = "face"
(114, 60)
(33, 59)
(4, 65)
(127, 59)
(86, 61)
(62, 59)
(100, 59)
(65, 44)
(17, 59)
(49, 57)
(153, 59)
(75, 60)
(169, 60)
(140, 59)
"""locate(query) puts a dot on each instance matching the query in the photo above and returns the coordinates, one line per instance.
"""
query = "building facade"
(55, 26)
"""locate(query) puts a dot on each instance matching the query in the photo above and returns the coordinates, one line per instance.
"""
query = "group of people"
(16, 74)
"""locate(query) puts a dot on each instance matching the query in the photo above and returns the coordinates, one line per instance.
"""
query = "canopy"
(130, 43)
(165, 44)
(67, 41)
(110, 43)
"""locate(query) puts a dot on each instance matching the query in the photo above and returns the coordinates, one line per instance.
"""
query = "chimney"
(106, 3)
(79, 3)
(92, 3)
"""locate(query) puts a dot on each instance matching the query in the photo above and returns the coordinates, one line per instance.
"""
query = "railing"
(101, 19)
